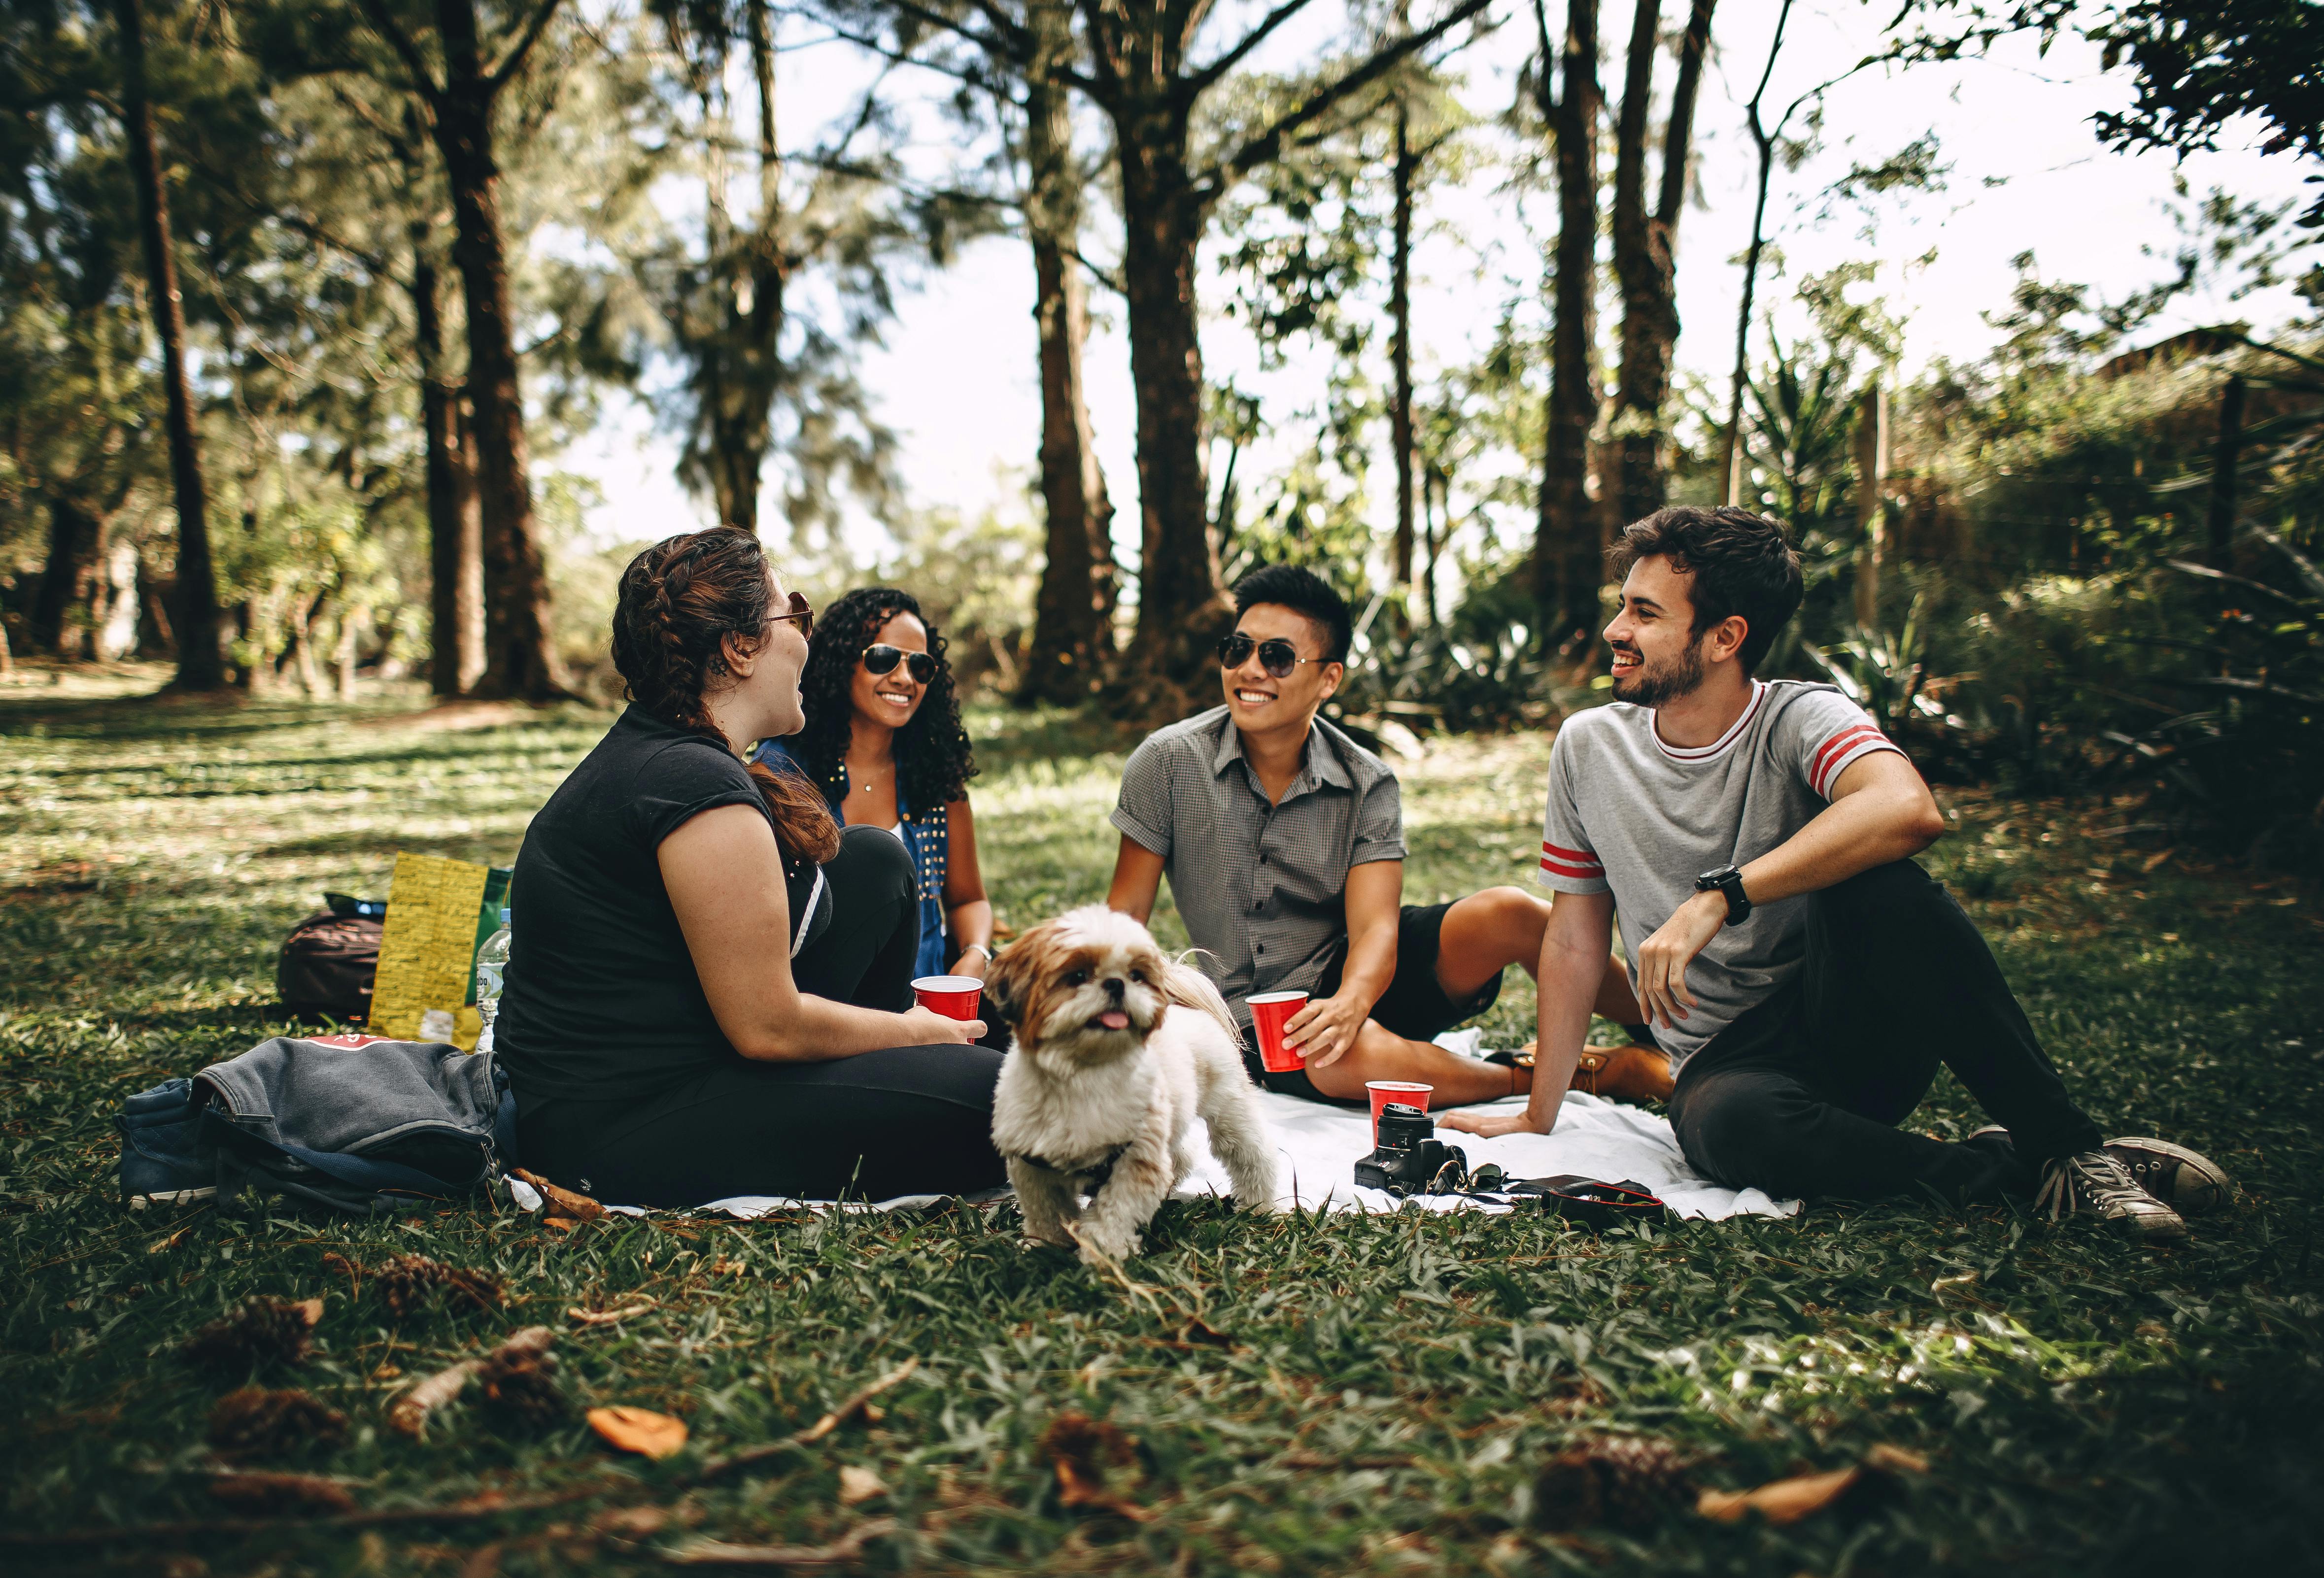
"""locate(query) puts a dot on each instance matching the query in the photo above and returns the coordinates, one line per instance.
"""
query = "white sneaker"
(2095, 1183)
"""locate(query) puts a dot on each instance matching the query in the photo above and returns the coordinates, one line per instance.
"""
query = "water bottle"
(492, 970)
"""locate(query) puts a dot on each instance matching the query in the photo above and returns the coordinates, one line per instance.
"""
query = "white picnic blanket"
(1317, 1147)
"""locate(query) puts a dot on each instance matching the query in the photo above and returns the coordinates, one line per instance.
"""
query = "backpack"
(357, 1123)
(329, 959)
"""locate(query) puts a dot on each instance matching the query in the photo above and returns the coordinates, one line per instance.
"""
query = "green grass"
(1395, 1382)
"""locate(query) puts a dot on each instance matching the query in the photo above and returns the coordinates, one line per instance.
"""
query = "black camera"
(1410, 1159)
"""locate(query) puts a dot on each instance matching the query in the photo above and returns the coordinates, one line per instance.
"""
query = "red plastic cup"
(954, 997)
(1269, 1013)
(1384, 1091)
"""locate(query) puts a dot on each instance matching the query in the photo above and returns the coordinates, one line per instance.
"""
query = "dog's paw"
(1098, 1249)
(1045, 1241)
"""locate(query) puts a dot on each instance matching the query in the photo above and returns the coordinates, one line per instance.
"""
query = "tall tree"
(519, 658)
(1567, 570)
(1646, 250)
(1073, 627)
(201, 666)
(1143, 76)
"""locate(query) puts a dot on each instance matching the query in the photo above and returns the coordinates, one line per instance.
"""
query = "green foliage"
(1393, 1384)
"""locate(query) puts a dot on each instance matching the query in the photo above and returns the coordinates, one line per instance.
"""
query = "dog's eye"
(1138, 976)
(1077, 978)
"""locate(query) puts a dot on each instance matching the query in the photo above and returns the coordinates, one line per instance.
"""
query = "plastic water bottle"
(491, 971)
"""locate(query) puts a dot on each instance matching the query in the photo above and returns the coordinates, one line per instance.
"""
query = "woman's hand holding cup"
(927, 1027)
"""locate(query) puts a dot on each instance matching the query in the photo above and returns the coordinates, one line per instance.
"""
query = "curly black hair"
(933, 758)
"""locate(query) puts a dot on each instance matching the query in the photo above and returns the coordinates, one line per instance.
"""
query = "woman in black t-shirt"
(710, 992)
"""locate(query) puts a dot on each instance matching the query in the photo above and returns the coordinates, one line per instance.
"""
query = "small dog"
(1105, 1070)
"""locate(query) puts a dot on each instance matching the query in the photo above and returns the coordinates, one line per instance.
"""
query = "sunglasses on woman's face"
(800, 611)
(882, 658)
(1277, 656)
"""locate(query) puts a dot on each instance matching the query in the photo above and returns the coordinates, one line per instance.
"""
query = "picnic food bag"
(438, 913)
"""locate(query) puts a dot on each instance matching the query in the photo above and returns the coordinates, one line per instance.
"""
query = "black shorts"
(1414, 1006)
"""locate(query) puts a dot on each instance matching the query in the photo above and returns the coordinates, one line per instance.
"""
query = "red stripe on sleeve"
(1577, 857)
(1848, 748)
(1579, 874)
(1844, 740)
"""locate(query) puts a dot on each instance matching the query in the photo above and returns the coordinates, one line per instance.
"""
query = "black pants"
(1800, 1095)
(906, 1121)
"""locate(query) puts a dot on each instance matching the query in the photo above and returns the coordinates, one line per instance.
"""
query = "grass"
(1394, 1384)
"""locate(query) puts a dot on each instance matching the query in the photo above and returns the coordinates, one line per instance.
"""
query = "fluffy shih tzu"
(1117, 1050)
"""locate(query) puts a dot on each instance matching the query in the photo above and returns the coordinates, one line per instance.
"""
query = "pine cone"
(1626, 1480)
(262, 1329)
(408, 1278)
(256, 1423)
(523, 1389)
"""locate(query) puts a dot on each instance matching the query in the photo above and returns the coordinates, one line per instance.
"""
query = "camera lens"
(1402, 1127)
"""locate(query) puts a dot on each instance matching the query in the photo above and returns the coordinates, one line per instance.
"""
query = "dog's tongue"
(1114, 1019)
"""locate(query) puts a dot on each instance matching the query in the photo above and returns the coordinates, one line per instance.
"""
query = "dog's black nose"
(1115, 988)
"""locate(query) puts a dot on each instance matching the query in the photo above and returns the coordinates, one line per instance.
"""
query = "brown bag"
(328, 964)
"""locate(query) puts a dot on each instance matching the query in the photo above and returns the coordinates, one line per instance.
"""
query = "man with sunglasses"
(1284, 842)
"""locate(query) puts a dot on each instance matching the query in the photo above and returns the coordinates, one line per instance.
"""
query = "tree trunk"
(73, 534)
(1764, 140)
(519, 658)
(1645, 256)
(1181, 607)
(454, 527)
(2227, 453)
(1400, 311)
(1073, 624)
(1871, 501)
(1567, 564)
(200, 664)
(351, 623)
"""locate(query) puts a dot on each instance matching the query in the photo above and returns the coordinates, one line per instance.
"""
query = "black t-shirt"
(601, 1001)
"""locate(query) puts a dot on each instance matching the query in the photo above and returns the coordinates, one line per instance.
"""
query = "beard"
(1655, 684)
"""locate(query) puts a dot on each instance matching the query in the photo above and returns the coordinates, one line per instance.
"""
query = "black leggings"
(905, 1120)
(1801, 1095)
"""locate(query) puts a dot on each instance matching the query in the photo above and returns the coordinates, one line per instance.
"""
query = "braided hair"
(679, 600)
(934, 761)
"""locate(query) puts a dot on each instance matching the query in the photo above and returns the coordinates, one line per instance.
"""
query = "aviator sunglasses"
(881, 659)
(1277, 656)
(800, 610)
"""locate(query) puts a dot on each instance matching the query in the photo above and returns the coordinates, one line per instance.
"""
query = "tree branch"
(1193, 87)
(1258, 150)
(423, 82)
(498, 76)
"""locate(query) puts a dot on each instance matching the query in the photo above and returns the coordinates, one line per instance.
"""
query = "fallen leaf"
(1084, 1451)
(263, 1492)
(608, 1317)
(844, 1552)
(1783, 1501)
(858, 1485)
(639, 1430)
(560, 1224)
(567, 1202)
(1896, 1459)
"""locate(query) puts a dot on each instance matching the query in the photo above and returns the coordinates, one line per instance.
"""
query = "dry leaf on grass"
(1085, 1453)
(639, 1430)
(410, 1411)
(1785, 1500)
(844, 1552)
(1805, 1495)
(859, 1485)
(284, 1494)
(565, 1202)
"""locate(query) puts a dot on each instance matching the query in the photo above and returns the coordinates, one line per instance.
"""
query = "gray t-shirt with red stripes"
(1630, 814)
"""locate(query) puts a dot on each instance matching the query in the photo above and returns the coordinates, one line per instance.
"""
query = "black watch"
(1729, 881)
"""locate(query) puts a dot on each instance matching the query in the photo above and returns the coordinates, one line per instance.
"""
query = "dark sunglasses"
(800, 611)
(1278, 656)
(881, 659)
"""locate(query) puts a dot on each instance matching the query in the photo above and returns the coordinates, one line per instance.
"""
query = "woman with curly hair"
(710, 992)
(885, 746)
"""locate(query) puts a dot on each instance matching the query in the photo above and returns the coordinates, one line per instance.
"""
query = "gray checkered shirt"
(1261, 887)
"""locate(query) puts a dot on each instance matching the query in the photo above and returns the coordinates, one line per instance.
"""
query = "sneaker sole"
(2197, 1185)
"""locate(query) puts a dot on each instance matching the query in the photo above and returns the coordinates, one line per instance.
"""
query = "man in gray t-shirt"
(1809, 979)
(1283, 841)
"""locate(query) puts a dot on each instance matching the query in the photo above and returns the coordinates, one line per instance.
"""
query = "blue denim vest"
(925, 836)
